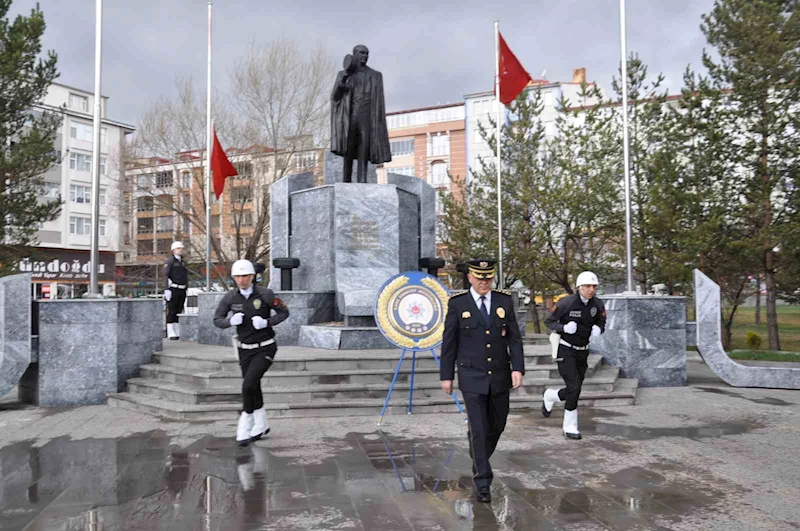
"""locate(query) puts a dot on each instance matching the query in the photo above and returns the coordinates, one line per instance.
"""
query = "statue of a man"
(358, 116)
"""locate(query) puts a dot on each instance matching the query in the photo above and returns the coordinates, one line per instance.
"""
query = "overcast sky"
(429, 51)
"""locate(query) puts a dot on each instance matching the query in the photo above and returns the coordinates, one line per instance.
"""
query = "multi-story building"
(60, 266)
(429, 143)
(166, 201)
(481, 110)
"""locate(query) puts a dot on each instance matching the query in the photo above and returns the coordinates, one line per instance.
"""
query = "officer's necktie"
(484, 311)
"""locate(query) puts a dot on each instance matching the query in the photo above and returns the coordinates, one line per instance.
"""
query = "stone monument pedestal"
(646, 338)
(350, 239)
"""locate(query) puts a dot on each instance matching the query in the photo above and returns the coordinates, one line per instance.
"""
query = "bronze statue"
(358, 116)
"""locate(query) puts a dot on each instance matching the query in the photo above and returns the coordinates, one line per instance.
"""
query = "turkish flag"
(513, 78)
(221, 167)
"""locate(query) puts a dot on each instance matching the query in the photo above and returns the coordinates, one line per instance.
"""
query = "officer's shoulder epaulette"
(503, 291)
(454, 294)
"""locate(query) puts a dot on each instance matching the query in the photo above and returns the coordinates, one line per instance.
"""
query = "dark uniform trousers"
(175, 304)
(254, 364)
(572, 367)
(487, 416)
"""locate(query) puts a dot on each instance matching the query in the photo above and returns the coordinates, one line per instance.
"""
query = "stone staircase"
(193, 382)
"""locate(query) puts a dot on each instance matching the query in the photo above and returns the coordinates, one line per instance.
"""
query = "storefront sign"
(67, 266)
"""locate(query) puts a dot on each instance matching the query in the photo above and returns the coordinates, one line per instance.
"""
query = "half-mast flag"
(513, 77)
(221, 167)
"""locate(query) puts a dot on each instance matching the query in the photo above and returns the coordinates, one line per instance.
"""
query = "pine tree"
(27, 134)
(758, 44)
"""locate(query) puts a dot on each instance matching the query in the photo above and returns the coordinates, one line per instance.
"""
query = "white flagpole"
(209, 125)
(94, 256)
(625, 148)
(501, 280)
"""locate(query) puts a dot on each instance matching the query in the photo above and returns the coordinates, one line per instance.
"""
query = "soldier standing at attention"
(482, 337)
(250, 309)
(575, 319)
(176, 280)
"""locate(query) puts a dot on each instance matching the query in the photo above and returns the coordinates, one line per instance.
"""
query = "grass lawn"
(788, 331)
(763, 355)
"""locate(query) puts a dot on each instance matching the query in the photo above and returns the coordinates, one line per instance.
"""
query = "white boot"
(243, 430)
(177, 328)
(261, 425)
(171, 331)
(571, 424)
(549, 400)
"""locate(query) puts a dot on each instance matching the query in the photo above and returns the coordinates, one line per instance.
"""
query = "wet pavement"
(705, 457)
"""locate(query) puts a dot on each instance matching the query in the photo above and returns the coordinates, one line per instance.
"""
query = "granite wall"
(90, 347)
(15, 330)
(646, 338)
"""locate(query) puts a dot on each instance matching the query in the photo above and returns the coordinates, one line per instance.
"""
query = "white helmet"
(242, 267)
(176, 245)
(587, 278)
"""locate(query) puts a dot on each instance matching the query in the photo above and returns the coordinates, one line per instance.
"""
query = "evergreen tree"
(758, 44)
(27, 134)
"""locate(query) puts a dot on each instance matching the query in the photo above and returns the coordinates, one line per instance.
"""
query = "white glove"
(167, 295)
(596, 331)
(237, 319)
(259, 323)
(571, 327)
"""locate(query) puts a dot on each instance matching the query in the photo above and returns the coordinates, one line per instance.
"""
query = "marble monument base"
(91, 347)
(341, 337)
(646, 338)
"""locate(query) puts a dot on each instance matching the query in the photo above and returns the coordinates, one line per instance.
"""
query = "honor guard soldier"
(176, 280)
(254, 311)
(574, 321)
(482, 337)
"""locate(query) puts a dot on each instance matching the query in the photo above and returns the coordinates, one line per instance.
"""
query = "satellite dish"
(544, 74)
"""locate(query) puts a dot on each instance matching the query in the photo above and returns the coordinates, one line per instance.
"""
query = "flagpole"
(626, 148)
(209, 125)
(501, 280)
(94, 256)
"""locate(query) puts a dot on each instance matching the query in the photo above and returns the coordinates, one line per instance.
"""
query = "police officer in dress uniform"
(482, 337)
(176, 279)
(575, 319)
(254, 311)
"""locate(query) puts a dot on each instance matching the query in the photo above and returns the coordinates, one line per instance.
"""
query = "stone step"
(329, 362)
(602, 381)
(229, 411)
(284, 378)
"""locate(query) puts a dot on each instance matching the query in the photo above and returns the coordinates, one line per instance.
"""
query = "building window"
(78, 102)
(164, 224)
(144, 182)
(245, 220)
(439, 204)
(244, 170)
(144, 204)
(440, 145)
(83, 162)
(186, 179)
(126, 232)
(242, 194)
(187, 225)
(80, 226)
(163, 179)
(549, 99)
(144, 226)
(439, 174)
(164, 246)
(80, 194)
(144, 247)
(52, 190)
(102, 197)
(402, 147)
(306, 160)
(403, 170)
(126, 205)
(187, 202)
(102, 228)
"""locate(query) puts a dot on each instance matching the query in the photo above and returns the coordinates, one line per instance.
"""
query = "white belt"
(179, 286)
(562, 342)
(251, 346)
